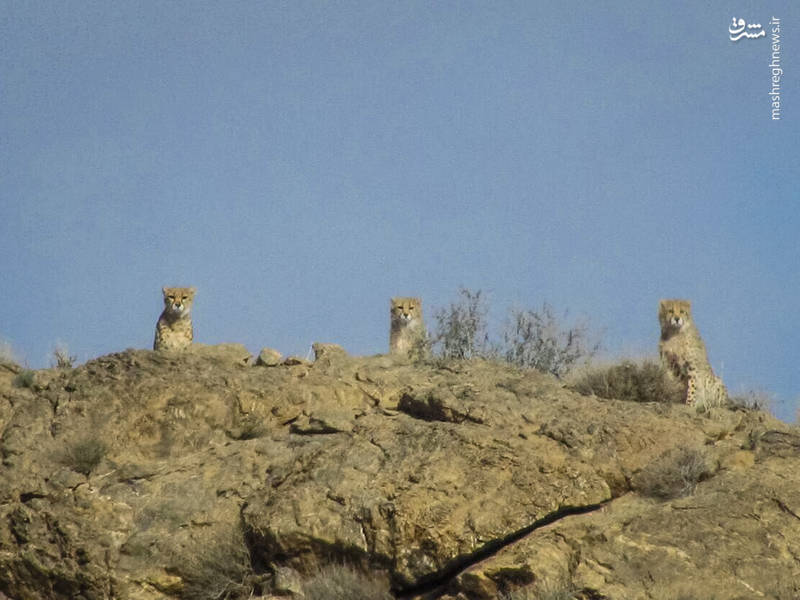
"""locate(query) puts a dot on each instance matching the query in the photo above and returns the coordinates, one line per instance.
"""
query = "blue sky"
(302, 162)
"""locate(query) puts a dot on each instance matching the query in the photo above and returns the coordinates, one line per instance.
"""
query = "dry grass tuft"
(342, 582)
(674, 474)
(635, 381)
(220, 570)
(561, 588)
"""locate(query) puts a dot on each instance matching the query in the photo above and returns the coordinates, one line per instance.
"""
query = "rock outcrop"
(144, 475)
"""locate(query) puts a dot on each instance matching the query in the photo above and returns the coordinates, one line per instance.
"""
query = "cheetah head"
(674, 314)
(178, 300)
(406, 309)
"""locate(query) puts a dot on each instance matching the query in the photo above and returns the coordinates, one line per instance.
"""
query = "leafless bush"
(753, 400)
(531, 339)
(7, 354)
(220, 570)
(62, 359)
(461, 329)
(535, 339)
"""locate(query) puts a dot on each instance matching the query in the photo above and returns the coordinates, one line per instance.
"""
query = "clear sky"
(302, 162)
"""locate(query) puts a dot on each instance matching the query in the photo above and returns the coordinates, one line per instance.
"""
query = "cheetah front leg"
(691, 389)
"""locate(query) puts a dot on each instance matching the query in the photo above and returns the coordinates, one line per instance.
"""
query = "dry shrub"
(342, 582)
(461, 328)
(24, 379)
(674, 474)
(62, 359)
(83, 456)
(7, 354)
(219, 570)
(560, 588)
(759, 400)
(636, 381)
(536, 339)
(531, 338)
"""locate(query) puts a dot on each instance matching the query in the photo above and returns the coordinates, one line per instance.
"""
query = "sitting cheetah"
(683, 354)
(407, 330)
(174, 327)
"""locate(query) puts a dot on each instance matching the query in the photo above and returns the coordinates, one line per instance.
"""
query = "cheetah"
(174, 327)
(683, 355)
(407, 332)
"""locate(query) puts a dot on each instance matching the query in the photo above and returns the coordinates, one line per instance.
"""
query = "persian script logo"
(740, 29)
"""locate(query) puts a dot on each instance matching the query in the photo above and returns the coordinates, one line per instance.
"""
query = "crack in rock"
(785, 508)
(459, 564)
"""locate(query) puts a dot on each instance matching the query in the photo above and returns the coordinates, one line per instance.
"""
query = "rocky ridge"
(207, 474)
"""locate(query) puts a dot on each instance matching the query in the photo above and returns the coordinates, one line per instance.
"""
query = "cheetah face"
(406, 309)
(674, 314)
(178, 301)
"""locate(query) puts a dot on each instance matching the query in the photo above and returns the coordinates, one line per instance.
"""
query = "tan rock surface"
(195, 475)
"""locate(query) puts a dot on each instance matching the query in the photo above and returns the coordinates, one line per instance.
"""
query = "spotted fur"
(407, 328)
(174, 327)
(683, 354)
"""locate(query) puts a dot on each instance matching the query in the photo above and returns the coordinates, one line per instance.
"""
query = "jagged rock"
(144, 475)
(235, 353)
(294, 361)
(268, 358)
(329, 351)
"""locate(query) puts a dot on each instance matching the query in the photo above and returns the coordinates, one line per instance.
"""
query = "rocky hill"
(142, 475)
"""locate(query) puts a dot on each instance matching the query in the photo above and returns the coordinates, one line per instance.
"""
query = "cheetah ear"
(192, 290)
(164, 290)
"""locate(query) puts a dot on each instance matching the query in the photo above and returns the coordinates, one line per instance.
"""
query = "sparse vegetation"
(461, 328)
(62, 359)
(561, 588)
(83, 456)
(7, 354)
(342, 582)
(674, 474)
(249, 427)
(24, 379)
(221, 570)
(753, 400)
(636, 381)
(535, 339)
(531, 339)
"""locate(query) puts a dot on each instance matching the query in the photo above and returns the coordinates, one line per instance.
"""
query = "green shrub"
(24, 379)
(535, 339)
(85, 455)
(674, 474)
(461, 330)
(644, 381)
(341, 582)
